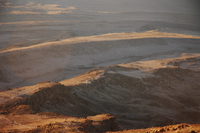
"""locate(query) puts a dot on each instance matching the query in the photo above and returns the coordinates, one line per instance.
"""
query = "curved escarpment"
(70, 57)
(139, 94)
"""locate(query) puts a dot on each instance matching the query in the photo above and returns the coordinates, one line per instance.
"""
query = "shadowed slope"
(138, 94)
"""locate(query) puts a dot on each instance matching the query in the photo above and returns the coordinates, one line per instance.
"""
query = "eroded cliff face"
(139, 94)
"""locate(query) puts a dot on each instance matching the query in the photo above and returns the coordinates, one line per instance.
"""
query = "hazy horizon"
(33, 22)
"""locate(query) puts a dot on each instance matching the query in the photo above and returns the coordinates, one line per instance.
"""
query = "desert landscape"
(99, 66)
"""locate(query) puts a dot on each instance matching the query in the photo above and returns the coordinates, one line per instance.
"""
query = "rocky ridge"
(138, 94)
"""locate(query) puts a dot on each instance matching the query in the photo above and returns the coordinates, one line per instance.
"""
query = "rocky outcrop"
(91, 124)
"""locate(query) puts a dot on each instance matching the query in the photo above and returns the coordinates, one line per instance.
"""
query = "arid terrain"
(138, 94)
(99, 66)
